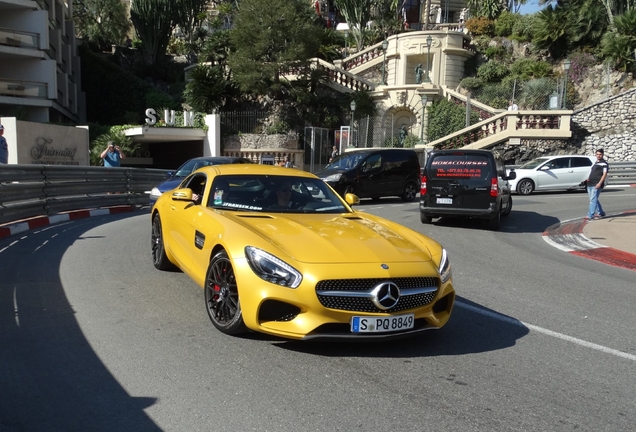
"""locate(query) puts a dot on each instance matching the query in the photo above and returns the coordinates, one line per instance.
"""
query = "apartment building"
(40, 79)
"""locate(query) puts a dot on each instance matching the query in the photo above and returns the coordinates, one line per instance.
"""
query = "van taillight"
(494, 187)
(423, 186)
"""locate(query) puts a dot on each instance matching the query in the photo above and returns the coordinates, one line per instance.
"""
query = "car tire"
(509, 209)
(410, 192)
(221, 296)
(525, 187)
(159, 257)
(495, 222)
(348, 189)
(425, 219)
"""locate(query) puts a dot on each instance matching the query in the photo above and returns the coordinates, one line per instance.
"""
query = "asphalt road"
(93, 338)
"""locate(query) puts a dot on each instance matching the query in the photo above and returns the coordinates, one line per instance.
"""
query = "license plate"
(366, 324)
(444, 200)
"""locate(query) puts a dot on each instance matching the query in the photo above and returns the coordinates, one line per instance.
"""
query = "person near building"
(112, 156)
(288, 163)
(4, 147)
(595, 184)
(512, 106)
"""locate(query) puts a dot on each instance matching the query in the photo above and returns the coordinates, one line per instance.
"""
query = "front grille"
(345, 294)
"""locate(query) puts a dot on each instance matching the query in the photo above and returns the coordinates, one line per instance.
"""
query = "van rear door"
(460, 180)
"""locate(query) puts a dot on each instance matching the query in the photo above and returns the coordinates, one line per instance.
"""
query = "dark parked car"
(374, 173)
(174, 178)
(465, 183)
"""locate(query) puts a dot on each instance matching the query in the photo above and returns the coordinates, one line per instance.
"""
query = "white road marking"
(547, 332)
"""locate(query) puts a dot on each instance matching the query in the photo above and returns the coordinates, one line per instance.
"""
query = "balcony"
(19, 39)
(23, 89)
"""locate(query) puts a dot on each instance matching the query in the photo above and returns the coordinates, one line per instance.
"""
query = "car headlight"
(333, 178)
(444, 267)
(155, 192)
(271, 269)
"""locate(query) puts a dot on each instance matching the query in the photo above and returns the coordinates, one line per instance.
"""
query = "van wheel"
(525, 187)
(509, 209)
(425, 219)
(495, 222)
(410, 191)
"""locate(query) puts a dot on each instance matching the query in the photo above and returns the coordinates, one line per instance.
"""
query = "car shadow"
(518, 221)
(472, 329)
(52, 379)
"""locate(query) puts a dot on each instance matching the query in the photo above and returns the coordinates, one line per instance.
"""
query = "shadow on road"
(51, 378)
(471, 329)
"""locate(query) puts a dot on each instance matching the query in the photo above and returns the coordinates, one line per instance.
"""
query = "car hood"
(352, 238)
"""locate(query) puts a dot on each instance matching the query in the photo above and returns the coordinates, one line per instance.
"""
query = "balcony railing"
(23, 89)
(19, 39)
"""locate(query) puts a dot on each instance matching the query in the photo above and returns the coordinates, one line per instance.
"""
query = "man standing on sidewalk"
(112, 155)
(4, 147)
(595, 184)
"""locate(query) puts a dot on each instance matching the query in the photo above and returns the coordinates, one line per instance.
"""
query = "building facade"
(40, 79)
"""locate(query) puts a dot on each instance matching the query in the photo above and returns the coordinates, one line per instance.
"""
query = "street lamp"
(385, 45)
(344, 54)
(353, 111)
(424, 101)
(566, 66)
(429, 42)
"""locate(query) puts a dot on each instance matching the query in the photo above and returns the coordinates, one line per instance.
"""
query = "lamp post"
(353, 111)
(429, 42)
(344, 54)
(566, 67)
(385, 45)
(424, 101)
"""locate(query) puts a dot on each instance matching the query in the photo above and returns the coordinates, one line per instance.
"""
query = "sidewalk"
(611, 240)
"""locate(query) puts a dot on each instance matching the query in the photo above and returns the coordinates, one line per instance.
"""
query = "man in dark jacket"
(595, 184)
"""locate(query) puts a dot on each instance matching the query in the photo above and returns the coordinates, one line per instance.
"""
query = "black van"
(374, 173)
(470, 183)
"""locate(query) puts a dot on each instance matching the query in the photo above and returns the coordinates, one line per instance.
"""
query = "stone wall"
(272, 142)
(610, 124)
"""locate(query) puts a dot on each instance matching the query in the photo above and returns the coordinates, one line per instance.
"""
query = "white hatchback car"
(551, 173)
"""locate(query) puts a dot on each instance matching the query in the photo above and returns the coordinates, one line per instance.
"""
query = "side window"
(196, 183)
(581, 162)
(501, 168)
(559, 163)
(373, 163)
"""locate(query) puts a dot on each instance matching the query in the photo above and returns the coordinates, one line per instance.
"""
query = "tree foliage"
(208, 89)
(358, 14)
(272, 37)
(619, 44)
(444, 118)
(101, 22)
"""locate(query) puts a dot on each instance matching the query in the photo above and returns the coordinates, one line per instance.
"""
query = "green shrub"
(444, 118)
(471, 83)
(480, 26)
(505, 23)
(497, 52)
(522, 28)
(493, 71)
(526, 68)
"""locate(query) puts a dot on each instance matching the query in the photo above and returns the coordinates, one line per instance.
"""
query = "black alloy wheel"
(410, 192)
(348, 189)
(159, 257)
(509, 209)
(221, 296)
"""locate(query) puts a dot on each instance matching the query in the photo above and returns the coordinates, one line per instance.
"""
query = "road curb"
(14, 228)
(568, 236)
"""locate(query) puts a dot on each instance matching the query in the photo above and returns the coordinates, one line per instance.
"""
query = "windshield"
(533, 163)
(346, 161)
(274, 194)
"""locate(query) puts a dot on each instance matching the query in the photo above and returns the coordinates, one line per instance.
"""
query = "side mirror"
(512, 175)
(544, 168)
(352, 199)
(182, 194)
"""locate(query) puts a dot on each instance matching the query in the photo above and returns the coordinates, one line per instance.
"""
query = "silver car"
(552, 173)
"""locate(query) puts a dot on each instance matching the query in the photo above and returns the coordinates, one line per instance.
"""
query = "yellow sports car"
(277, 251)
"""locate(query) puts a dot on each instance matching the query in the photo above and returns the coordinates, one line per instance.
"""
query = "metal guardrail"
(621, 173)
(40, 190)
